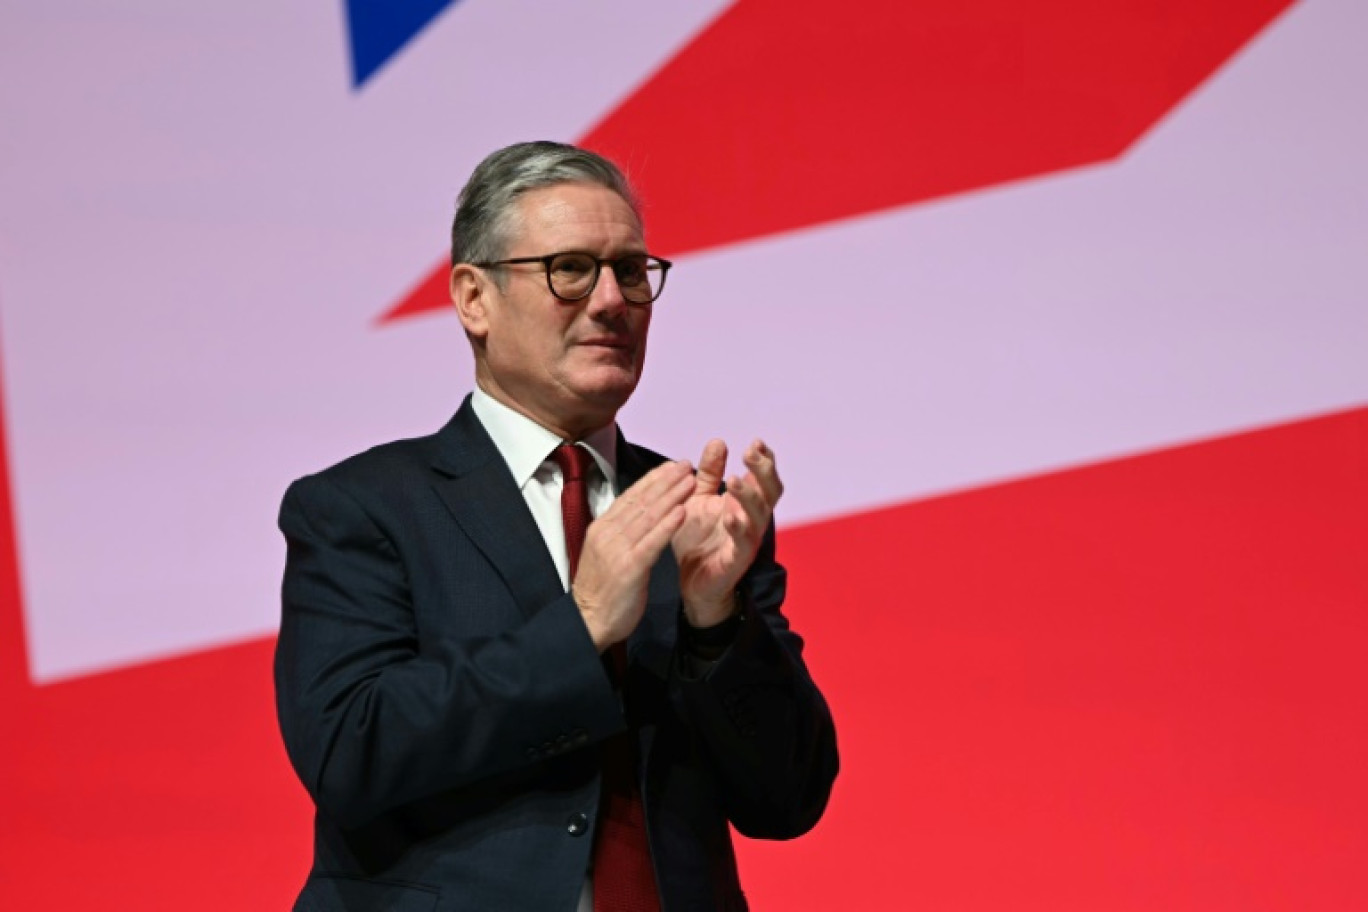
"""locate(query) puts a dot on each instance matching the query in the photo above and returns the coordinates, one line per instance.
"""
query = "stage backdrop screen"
(1054, 312)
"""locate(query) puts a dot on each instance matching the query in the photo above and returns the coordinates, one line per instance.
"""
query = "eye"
(572, 266)
(630, 271)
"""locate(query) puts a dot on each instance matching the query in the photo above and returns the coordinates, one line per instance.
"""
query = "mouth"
(610, 342)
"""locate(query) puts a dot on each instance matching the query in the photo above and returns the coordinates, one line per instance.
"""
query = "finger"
(759, 458)
(631, 518)
(647, 489)
(659, 478)
(746, 491)
(711, 465)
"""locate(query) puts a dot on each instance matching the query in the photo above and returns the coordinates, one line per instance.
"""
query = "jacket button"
(577, 825)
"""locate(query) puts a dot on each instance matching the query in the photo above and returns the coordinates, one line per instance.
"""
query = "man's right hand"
(622, 545)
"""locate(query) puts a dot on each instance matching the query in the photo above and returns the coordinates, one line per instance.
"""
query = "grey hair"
(480, 232)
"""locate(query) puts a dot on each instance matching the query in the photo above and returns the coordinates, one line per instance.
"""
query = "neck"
(571, 428)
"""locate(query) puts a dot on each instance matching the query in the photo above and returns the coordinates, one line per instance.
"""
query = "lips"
(608, 342)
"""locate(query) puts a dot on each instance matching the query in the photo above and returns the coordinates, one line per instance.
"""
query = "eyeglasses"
(573, 276)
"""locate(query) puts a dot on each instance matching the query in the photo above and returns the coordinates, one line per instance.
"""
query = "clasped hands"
(715, 535)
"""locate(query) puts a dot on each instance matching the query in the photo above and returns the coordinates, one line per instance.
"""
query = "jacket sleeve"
(373, 717)
(764, 723)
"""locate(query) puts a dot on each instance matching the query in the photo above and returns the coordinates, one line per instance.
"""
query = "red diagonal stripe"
(787, 114)
(13, 658)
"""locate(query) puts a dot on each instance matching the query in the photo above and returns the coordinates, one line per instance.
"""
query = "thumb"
(710, 467)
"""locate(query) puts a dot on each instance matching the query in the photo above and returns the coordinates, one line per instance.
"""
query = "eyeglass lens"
(573, 276)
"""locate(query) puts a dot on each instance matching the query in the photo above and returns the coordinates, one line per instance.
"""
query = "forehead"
(575, 216)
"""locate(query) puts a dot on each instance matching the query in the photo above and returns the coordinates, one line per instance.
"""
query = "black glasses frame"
(651, 261)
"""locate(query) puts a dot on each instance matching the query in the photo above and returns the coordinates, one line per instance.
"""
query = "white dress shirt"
(527, 447)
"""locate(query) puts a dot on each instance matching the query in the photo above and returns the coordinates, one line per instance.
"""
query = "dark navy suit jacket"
(441, 700)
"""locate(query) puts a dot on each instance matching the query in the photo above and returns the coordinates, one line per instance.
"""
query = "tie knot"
(574, 461)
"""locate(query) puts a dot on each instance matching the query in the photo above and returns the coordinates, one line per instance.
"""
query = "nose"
(606, 299)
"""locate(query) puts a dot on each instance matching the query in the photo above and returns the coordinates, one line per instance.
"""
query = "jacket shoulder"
(380, 462)
(381, 478)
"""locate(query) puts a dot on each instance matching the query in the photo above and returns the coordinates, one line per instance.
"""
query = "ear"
(470, 292)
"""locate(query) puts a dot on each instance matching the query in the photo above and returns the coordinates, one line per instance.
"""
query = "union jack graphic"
(1053, 310)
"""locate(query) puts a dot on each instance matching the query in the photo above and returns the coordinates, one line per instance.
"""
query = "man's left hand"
(722, 531)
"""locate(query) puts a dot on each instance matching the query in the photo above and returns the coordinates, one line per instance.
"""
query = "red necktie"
(624, 880)
(575, 463)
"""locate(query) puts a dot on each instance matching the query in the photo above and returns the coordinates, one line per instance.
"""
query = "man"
(492, 707)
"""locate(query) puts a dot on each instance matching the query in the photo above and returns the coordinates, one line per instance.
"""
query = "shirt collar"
(525, 444)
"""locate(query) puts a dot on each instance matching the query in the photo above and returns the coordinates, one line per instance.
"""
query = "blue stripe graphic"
(379, 29)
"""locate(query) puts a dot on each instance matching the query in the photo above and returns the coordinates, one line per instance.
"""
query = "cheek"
(518, 349)
(642, 329)
(640, 322)
(541, 336)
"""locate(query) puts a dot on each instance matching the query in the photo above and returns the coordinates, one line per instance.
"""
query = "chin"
(609, 390)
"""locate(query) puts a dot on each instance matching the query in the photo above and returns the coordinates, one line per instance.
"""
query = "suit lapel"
(474, 483)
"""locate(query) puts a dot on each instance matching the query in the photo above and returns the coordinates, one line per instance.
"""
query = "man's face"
(569, 366)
